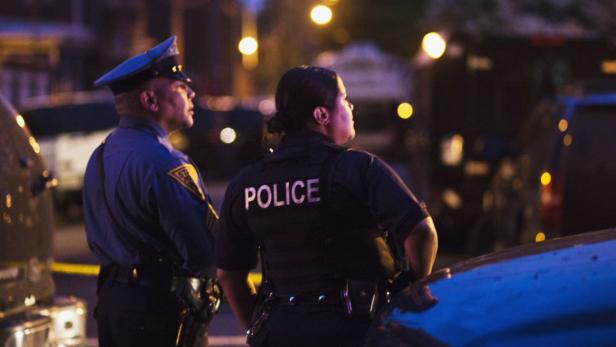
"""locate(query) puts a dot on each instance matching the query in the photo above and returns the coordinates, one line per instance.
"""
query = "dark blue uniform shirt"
(156, 194)
(364, 193)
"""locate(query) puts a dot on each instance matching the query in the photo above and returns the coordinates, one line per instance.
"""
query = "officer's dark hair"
(128, 103)
(300, 90)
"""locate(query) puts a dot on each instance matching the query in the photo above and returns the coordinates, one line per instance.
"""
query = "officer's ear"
(321, 115)
(148, 100)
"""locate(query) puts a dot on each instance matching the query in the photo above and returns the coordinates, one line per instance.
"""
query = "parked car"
(577, 184)
(559, 182)
(30, 312)
(511, 211)
(554, 293)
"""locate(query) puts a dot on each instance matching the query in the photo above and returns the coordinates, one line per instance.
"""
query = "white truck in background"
(68, 154)
(68, 127)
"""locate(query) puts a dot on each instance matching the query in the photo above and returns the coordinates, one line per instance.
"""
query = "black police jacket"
(320, 214)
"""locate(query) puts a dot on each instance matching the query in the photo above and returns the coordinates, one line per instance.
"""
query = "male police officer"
(148, 218)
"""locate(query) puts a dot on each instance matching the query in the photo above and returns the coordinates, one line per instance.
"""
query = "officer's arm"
(182, 212)
(240, 293)
(420, 247)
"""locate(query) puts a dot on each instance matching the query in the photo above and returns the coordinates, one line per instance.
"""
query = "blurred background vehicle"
(557, 183)
(30, 312)
(481, 94)
(69, 127)
(559, 292)
(577, 185)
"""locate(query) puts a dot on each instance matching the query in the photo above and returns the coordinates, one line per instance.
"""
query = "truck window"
(51, 121)
(589, 169)
(593, 144)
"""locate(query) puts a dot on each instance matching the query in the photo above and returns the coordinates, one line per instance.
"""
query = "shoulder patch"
(187, 176)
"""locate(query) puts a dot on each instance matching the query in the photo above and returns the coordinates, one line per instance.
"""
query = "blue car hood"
(560, 293)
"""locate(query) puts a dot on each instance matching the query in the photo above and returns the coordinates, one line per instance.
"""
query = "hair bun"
(274, 124)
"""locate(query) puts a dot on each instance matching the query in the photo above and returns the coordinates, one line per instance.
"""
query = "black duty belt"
(150, 275)
(357, 297)
(326, 297)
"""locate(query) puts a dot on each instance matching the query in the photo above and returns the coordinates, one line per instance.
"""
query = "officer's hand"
(402, 280)
(418, 297)
(422, 297)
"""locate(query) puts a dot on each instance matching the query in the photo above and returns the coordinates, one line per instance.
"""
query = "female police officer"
(319, 214)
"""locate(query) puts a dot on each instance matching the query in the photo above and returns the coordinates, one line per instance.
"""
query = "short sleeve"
(391, 203)
(236, 246)
(182, 215)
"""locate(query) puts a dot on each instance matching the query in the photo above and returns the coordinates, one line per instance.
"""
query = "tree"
(289, 38)
(569, 18)
(391, 24)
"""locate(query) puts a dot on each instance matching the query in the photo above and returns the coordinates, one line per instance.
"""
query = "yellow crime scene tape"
(93, 270)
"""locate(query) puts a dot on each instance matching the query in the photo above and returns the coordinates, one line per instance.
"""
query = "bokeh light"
(20, 121)
(546, 178)
(248, 45)
(434, 45)
(321, 14)
(228, 135)
(563, 125)
(405, 110)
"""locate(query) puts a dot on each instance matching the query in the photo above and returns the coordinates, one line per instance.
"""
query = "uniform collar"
(304, 138)
(142, 124)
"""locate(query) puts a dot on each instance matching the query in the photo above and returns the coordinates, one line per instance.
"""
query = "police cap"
(161, 60)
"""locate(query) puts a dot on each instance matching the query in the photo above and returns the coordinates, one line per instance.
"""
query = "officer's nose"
(191, 93)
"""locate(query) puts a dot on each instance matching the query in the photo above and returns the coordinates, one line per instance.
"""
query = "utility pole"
(177, 25)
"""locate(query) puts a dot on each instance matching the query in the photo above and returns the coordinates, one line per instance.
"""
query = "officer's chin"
(188, 121)
(351, 136)
(346, 140)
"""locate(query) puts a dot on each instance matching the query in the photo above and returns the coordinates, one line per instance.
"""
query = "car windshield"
(592, 139)
(587, 170)
(50, 121)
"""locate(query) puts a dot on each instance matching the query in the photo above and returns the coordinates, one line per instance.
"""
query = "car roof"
(596, 99)
(67, 99)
